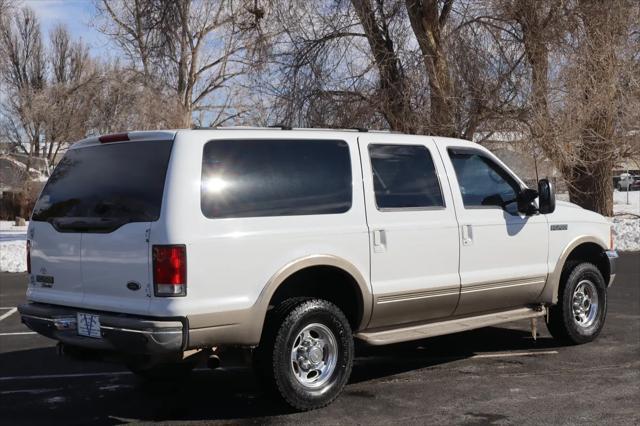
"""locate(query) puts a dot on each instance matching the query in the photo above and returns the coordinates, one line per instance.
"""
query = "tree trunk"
(427, 23)
(394, 101)
(592, 177)
(592, 187)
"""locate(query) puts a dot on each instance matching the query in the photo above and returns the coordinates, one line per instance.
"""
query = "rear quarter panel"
(230, 260)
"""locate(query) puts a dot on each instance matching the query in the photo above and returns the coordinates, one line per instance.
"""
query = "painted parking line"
(8, 314)
(110, 374)
(512, 354)
(6, 308)
(19, 333)
(31, 391)
(65, 376)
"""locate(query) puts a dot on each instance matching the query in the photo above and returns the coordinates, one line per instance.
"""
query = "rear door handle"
(379, 241)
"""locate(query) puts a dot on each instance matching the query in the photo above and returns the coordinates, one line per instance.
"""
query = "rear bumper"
(612, 257)
(120, 333)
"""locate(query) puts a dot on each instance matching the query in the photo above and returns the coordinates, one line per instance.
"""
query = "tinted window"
(482, 182)
(249, 178)
(106, 184)
(404, 176)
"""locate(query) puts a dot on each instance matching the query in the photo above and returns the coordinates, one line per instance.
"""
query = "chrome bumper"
(612, 257)
(120, 333)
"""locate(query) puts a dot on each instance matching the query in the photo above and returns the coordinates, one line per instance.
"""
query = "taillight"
(28, 256)
(170, 270)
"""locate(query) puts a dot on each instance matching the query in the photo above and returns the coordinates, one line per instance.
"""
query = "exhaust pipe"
(213, 361)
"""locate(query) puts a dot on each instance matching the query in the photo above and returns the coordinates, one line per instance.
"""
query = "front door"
(503, 253)
(413, 230)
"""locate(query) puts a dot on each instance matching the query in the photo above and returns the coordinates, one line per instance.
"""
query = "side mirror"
(547, 196)
(524, 199)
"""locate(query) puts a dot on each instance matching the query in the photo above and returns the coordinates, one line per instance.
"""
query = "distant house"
(18, 188)
(531, 165)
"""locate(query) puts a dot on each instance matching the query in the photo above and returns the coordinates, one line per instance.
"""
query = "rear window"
(252, 178)
(106, 185)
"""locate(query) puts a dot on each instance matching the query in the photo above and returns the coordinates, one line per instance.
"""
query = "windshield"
(104, 186)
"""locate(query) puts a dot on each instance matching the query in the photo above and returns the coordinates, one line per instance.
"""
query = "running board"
(416, 332)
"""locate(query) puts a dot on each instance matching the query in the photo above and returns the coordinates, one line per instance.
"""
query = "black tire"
(273, 358)
(563, 323)
(162, 372)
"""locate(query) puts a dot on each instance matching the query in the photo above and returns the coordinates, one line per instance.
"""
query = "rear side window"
(404, 176)
(251, 178)
(106, 185)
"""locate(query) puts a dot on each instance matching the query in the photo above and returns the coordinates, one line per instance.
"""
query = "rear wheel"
(582, 305)
(306, 353)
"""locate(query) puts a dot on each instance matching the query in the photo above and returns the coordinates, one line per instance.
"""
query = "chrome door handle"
(467, 235)
(379, 241)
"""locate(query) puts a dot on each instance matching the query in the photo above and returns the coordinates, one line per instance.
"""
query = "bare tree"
(577, 112)
(23, 75)
(64, 104)
(121, 103)
(414, 66)
(189, 49)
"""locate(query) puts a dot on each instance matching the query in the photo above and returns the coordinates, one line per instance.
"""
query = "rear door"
(413, 230)
(91, 225)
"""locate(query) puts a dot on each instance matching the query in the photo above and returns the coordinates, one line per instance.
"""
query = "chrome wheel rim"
(314, 355)
(584, 304)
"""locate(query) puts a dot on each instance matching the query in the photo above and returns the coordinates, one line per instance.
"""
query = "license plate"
(89, 325)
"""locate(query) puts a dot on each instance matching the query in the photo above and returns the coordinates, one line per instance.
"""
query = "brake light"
(170, 270)
(28, 256)
(114, 137)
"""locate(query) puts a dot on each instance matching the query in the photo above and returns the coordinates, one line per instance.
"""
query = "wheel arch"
(289, 279)
(585, 248)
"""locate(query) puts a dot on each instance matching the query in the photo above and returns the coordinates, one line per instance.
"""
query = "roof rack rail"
(286, 127)
(280, 126)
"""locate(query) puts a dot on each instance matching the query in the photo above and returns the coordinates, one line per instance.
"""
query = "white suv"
(164, 246)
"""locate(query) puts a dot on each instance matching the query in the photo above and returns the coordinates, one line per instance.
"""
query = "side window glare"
(404, 176)
(257, 178)
(483, 183)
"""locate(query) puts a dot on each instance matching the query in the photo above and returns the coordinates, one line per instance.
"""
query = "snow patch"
(622, 206)
(626, 220)
(13, 241)
(13, 257)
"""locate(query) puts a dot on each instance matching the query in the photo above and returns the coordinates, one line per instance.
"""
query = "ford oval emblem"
(133, 286)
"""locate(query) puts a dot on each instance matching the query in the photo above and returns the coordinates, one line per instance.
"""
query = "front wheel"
(582, 305)
(306, 353)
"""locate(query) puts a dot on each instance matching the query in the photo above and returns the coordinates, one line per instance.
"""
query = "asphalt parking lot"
(488, 376)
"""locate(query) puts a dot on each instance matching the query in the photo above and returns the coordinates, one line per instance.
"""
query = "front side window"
(252, 178)
(483, 183)
(404, 176)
